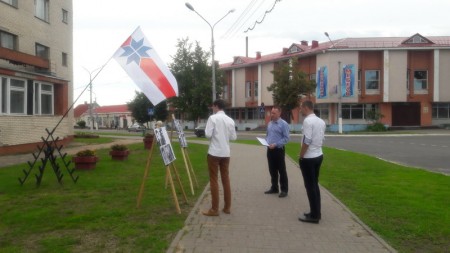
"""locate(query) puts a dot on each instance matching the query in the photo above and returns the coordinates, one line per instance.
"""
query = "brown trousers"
(214, 165)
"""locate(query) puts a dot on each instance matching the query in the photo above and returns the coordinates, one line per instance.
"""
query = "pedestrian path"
(265, 223)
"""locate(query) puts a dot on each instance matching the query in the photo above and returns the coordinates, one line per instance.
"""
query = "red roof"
(112, 109)
(415, 41)
(80, 109)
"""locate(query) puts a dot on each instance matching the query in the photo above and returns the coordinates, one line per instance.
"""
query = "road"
(426, 150)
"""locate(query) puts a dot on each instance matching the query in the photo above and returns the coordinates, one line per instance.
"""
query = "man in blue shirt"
(277, 136)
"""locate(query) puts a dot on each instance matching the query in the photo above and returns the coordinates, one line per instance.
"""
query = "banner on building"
(322, 82)
(348, 80)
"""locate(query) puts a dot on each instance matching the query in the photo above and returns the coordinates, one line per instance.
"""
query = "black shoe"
(282, 194)
(271, 192)
(308, 219)
(309, 215)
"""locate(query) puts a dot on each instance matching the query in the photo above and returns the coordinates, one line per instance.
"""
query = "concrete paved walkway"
(265, 223)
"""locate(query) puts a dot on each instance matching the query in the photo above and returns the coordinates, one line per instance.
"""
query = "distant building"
(406, 79)
(36, 72)
(108, 116)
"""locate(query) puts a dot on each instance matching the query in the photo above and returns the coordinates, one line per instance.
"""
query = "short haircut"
(277, 107)
(308, 104)
(219, 103)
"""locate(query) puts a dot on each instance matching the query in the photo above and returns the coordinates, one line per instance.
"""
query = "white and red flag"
(141, 62)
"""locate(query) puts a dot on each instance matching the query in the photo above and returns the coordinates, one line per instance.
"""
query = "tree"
(139, 109)
(193, 74)
(289, 84)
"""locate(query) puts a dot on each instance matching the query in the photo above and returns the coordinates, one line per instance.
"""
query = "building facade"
(406, 79)
(108, 116)
(36, 72)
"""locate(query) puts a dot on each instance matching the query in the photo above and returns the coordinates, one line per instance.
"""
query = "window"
(64, 59)
(225, 92)
(372, 78)
(321, 110)
(441, 111)
(65, 16)
(420, 80)
(357, 111)
(42, 51)
(248, 89)
(42, 9)
(17, 91)
(3, 95)
(43, 99)
(10, 2)
(8, 40)
(255, 87)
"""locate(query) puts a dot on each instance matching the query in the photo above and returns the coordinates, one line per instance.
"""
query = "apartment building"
(36, 72)
(406, 79)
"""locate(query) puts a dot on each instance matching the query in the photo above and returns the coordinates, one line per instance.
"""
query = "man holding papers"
(277, 136)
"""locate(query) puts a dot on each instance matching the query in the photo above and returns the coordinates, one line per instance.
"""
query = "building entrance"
(405, 114)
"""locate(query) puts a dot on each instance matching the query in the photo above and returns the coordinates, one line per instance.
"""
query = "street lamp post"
(338, 90)
(90, 98)
(213, 64)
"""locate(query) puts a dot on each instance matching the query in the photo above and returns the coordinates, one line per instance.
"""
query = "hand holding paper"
(262, 141)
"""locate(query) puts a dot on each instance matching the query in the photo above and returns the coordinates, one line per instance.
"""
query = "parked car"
(199, 131)
(136, 127)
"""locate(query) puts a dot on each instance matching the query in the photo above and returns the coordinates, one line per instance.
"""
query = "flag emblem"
(141, 62)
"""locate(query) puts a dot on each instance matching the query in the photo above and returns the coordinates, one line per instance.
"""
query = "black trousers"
(277, 169)
(310, 168)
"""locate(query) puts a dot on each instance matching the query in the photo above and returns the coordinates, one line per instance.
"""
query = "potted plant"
(119, 152)
(148, 140)
(85, 159)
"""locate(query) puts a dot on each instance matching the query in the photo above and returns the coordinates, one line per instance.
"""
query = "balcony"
(19, 58)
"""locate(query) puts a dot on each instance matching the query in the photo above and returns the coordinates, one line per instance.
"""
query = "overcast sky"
(101, 26)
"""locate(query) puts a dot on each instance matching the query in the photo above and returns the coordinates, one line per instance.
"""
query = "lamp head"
(232, 10)
(326, 34)
(189, 6)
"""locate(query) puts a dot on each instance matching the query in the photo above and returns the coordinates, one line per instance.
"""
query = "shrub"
(86, 152)
(81, 123)
(119, 147)
(376, 127)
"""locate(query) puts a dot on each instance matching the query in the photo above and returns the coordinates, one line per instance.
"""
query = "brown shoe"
(210, 213)
(227, 211)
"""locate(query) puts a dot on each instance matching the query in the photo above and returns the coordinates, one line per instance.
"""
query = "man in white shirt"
(310, 159)
(220, 129)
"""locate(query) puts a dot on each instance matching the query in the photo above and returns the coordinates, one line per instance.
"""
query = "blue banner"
(322, 83)
(348, 81)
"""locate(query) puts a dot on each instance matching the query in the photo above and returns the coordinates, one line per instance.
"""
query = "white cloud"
(101, 26)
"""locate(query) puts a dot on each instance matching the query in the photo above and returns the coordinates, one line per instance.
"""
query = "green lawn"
(98, 213)
(409, 208)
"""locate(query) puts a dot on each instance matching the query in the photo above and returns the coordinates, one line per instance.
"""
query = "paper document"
(263, 141)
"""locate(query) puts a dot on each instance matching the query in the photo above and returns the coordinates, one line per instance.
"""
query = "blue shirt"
(278, 133)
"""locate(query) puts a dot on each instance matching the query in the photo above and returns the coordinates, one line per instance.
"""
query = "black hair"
(219, 103)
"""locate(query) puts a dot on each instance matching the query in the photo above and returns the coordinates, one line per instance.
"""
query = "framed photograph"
(167, 154)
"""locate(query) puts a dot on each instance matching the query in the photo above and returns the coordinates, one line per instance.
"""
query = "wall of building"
(444, 75)
(267, 80)
(57, 36)
(397, 65)
(239, 87)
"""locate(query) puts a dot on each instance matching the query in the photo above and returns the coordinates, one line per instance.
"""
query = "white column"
(233, 88)
(436, 76)
(259, 84)
(386, 76)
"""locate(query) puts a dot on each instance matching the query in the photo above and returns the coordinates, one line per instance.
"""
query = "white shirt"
(313, 135)
(220, 130)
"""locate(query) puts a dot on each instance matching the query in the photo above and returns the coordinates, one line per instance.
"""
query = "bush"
(86, 152)
(376, 127)
(119, 147)
(81, 123)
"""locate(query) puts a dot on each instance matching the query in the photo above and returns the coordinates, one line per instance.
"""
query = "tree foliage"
(139, 109)
(289, 84)
(190, 68)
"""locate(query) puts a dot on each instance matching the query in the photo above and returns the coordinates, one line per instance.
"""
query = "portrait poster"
(162, 138)
(181, 136)
(167, 153)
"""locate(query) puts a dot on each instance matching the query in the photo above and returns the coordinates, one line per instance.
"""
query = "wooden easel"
(168, 178)
(187, 161)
